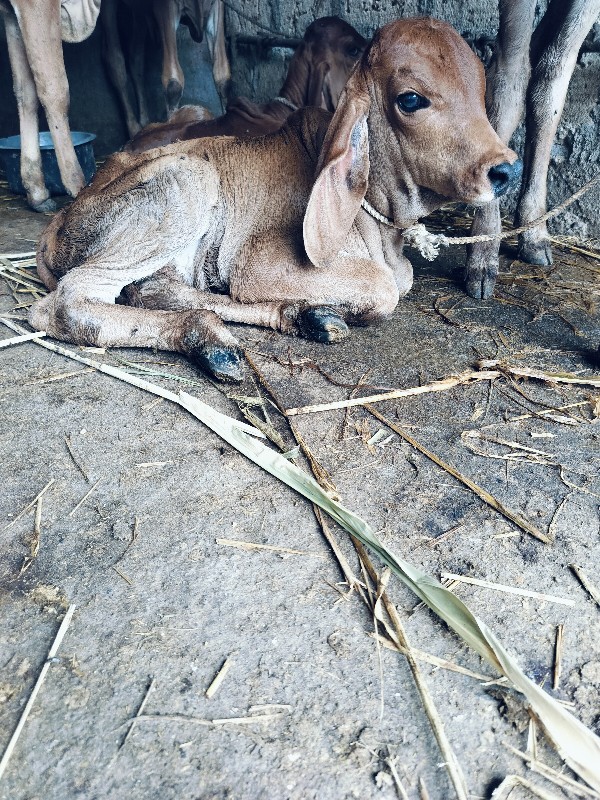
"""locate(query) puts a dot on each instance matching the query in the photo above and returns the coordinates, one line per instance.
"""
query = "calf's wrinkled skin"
(275, 224)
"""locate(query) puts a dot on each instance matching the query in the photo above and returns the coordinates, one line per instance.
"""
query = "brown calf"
(276, 223)
(316, 76)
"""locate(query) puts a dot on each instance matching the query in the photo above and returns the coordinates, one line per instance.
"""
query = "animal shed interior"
(165, 593)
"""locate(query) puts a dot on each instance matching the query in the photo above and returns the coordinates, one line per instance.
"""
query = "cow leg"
(114, 61)
(81, 311)
(40, 27)
(215, 38)
(507, 79)
(138, 76)
(555, 48)
(167, 292)
(166, 14)
(32, 175)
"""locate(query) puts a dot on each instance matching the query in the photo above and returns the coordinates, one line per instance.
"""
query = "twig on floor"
(38, 685)
(481, 493)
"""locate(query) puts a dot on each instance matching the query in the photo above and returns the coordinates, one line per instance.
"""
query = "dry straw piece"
(38, 685)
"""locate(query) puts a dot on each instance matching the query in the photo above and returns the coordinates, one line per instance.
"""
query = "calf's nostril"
(503, 176)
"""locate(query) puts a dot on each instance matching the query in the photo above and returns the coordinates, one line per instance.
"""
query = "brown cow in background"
(316, 76)
(201, 16)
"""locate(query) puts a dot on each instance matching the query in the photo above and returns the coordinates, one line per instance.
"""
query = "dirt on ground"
(142, 524)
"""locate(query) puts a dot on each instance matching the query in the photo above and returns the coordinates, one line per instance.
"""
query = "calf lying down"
(271, 231)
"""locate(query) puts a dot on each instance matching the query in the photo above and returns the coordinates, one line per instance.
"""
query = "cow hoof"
(537, 253)
(220, 362)
(322, 324)
(46, 206)
(481, 288)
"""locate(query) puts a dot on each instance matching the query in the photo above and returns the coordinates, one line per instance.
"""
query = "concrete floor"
(166, 608)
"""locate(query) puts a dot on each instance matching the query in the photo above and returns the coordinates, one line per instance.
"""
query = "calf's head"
(411, 131)
(323, 62)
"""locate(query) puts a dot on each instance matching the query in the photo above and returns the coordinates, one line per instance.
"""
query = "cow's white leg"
(507, 79)
(166, 14)
(27, 103)
(40, 27)
(114, 61)
(555, 48)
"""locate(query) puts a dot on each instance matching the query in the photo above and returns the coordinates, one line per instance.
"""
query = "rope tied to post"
(428, 243)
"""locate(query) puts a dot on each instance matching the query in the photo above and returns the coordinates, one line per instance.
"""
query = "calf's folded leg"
(73, 314)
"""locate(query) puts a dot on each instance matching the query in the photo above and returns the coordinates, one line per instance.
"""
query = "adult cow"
(200, 16)
(34, 34)
(529, 70)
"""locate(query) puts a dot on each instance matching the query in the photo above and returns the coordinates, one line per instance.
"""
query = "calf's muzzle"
(504, 176)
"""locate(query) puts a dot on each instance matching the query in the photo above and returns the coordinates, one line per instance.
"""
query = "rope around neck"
(285, 102)
(429, 243)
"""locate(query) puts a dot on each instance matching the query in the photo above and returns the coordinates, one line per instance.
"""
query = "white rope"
(429, 243)
(417, 235)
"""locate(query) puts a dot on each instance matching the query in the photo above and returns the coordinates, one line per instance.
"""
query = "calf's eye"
(354, 52)
(411, 102)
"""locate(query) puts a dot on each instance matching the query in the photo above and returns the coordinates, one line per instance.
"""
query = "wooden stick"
(500, 587)
(38, 685)
(249, 546)
(139, 712)
(30, 505)
(436, 386)
(216, 682)
(481, 493)
(548, 377)
(451, 762)
(85, 497)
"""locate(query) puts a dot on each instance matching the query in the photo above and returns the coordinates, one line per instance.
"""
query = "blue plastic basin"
(10, 160)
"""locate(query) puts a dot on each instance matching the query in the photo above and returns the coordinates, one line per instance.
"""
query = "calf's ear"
(342, 175)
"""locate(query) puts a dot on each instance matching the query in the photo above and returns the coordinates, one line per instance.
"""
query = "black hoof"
(538, 253)
(44, 207)
(322, 324)
(480, 288)
(221, 363)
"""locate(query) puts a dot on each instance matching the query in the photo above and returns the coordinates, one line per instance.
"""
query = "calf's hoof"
(538, 253)
(222, 363)
(322, 324)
